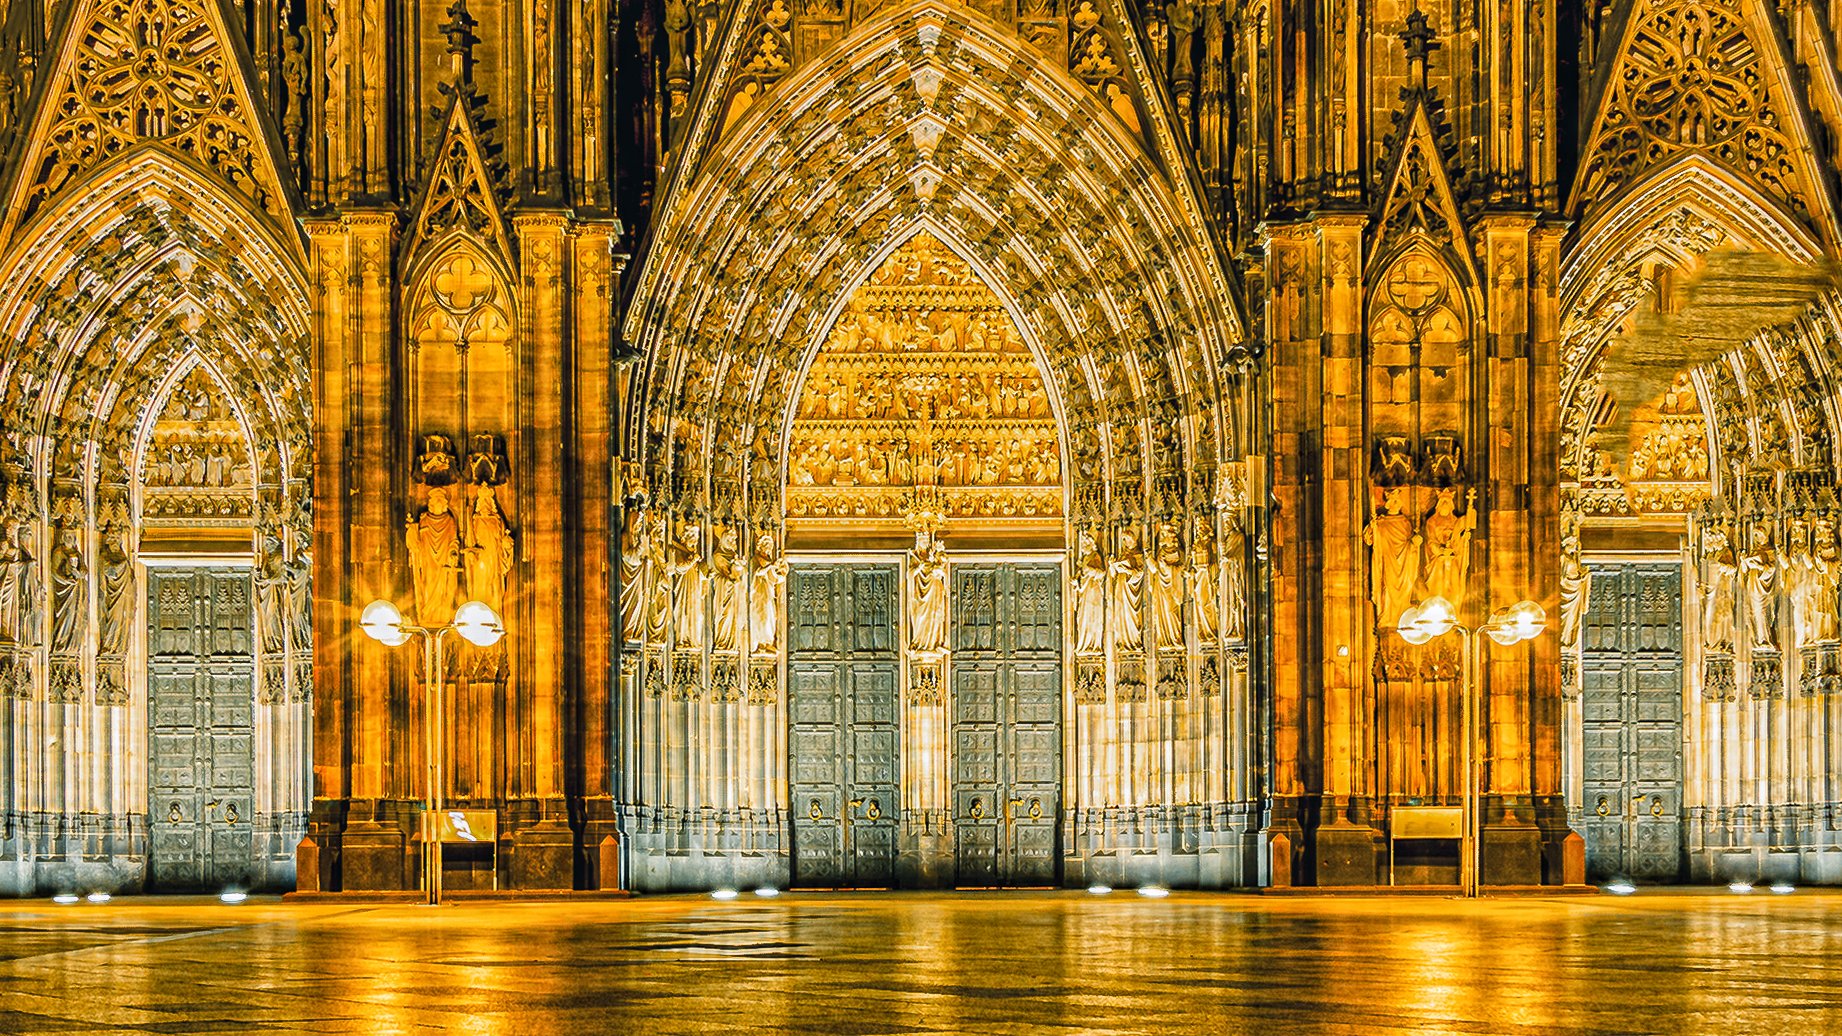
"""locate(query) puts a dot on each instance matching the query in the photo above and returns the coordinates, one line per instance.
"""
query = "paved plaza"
(966, 963)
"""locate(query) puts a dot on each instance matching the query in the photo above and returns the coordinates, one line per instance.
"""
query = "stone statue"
(726, 587)
(300, 596)
(271, 596)
(69, 611)
(1759, 577)
(435, 560)
(1205, 586)
(659, 599)
(1823, 570)
(636, 575)
(1127, 573)
(684, 562)
(1576, 588)
(489, 550)
(1234, 569)
(16, 577)
(769, 585)
(117, 613)
(1394, 565)
(1448, 547)
(927, 594)
(1167, 587)
(1576, 581)
(1090, 597)
(1719, 576)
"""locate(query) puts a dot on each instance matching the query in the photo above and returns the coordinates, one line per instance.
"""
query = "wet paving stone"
(859, 965)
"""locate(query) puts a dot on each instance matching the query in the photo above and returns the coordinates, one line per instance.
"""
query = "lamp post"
(477, 624)
(1435, 617)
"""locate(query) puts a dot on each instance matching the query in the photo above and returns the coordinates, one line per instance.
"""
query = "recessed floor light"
(99, 897)
(1099, 890)
(767, 893)
(1154, 892)
(66, 898)
(1783, 889)
(1740, 886)
(1621, 888)
(723, 894)
(234, 897)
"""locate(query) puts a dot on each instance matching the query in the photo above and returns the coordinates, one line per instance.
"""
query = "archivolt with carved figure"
(953, 350)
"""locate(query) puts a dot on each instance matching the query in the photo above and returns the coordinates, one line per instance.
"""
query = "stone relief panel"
(196, 468)
(924, 396)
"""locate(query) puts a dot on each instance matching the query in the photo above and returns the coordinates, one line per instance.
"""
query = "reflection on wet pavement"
(925, 963)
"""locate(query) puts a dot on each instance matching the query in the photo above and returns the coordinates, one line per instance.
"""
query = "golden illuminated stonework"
(925, 397)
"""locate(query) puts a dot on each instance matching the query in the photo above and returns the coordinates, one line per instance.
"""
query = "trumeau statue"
(1719, 575)
(1395, 561)
(435, 559)
(1167, 587)
(489, 550)
(927, 594)
(1127, 572)
(769, 584)
(1090, 597)
(1759, 579)
(1448, 547)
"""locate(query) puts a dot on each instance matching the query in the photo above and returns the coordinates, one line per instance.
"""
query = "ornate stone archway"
(928, 117)
(135, 276)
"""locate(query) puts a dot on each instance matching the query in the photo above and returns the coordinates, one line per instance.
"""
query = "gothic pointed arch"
(462, 196)
(766, 44)
(1070, 239)
(1707, 78)
(1696, 226)
(170, 76)
(1418, 204)
(139, 276)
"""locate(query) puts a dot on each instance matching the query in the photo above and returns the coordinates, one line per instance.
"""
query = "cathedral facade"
(918, 443)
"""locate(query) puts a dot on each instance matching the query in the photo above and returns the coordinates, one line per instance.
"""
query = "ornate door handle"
(978, 808)
(815, 811)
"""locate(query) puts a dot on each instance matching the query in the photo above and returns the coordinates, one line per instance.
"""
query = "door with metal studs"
(201, 728)
(1006, 723)
(1631, 700)
(841, 671)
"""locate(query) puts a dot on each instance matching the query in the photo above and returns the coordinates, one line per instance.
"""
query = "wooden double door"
(1003, 718)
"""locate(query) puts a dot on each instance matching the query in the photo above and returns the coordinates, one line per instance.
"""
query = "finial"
(1420, 41)
(459, 31)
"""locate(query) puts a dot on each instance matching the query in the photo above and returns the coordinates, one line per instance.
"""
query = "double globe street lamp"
(1433, 618)
(474, 622)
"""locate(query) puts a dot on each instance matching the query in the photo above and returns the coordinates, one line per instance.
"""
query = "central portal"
(924, 488)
